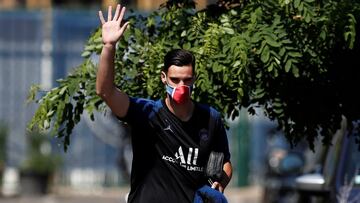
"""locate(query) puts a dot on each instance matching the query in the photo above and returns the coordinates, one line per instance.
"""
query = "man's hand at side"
(227, 174)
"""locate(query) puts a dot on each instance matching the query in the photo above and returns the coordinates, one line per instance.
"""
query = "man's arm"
(112, 30)
(228, 171)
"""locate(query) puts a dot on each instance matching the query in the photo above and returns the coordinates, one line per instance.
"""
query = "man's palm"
(111, 32)
(112, 29)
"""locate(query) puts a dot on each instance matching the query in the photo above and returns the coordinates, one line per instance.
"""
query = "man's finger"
(215, 185)
(117, 12)
(122, 14)
(109, 13)
(221, 189)
(101, 16)
(123, 28)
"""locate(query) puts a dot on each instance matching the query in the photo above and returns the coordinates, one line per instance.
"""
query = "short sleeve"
(221, 143)
(138, 112)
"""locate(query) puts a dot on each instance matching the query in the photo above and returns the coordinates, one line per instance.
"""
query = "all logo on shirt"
(189, 161)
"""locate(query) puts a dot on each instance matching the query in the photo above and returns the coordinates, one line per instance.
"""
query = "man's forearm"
(105, 75)
(228, 172)
(105, 86)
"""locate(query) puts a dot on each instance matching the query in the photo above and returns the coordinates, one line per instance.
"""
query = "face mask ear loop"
(173, 92)
(172, 88)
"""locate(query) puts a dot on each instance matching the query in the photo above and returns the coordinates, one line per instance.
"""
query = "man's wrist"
(109, 45)
(224, 179)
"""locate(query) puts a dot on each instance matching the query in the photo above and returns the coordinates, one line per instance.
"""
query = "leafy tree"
(296, 59)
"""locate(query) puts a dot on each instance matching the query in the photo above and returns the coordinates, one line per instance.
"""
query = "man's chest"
(185, 144)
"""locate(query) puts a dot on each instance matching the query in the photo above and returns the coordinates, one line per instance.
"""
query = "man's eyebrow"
(174, 77)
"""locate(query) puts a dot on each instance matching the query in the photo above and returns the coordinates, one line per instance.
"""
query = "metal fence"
(21, 36)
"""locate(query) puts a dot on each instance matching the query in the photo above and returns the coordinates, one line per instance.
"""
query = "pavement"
(250, 194)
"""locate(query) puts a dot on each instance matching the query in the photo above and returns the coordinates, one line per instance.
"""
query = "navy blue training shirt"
(169, 155)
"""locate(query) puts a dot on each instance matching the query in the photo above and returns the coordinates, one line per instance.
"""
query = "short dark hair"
(178, 57)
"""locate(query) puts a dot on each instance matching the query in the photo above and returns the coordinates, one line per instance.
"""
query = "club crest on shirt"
(204, 135)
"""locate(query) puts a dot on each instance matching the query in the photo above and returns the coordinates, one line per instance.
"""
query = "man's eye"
(175, 80)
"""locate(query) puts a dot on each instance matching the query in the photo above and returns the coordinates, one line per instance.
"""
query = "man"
(171, 138)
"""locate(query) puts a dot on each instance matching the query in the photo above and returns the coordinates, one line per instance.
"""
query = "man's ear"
(194, 78)
(163, 77)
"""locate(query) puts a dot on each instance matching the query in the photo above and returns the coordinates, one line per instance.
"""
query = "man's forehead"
(180, 70)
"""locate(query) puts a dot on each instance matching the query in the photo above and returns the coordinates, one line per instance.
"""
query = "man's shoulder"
(145, 103)
(141, 100)
(208, 109)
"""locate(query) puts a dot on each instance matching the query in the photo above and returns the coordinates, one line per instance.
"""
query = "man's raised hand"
(112, 29)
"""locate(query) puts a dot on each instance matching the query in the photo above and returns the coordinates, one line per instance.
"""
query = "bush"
(40, 158)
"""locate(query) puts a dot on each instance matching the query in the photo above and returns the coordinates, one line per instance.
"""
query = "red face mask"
(179, 94)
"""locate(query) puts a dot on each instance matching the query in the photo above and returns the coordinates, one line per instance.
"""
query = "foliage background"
(295, 60)
(40, 159)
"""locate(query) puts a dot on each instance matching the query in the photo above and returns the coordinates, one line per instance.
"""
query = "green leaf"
(89, 47)
(32, 93)
(286, 41)
(187, 46)
(259, 93)
(296, 3)
(277, 104)
(275, 55)
(53, 98)
(183, 33)
(259, 75)
(270, 67)
(216, 67)
(301, 6)
(63, 89)
(225, 78)
(86, 54)
(272, 42)
(260, 50)
(240, 91)
(278, 111)
(295, 71)
(323, 35)
(307, 18)
(50, 113)
(126, 35)
(98, 40)
(138, 34)
(288, 65)
(228, 31)
(282, 51)
(295, 54)
(46, 124)
(255, 38)
(236, 64)
(99, 46)
(265, 55)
